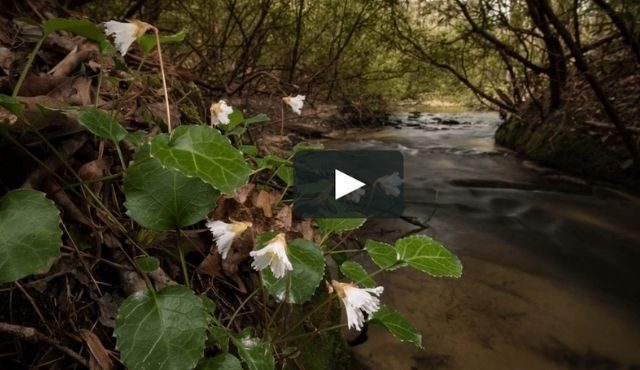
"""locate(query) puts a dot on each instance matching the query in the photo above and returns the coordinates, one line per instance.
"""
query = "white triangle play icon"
(345, 184)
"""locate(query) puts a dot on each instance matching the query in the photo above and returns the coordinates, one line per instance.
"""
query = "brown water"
(551, 265)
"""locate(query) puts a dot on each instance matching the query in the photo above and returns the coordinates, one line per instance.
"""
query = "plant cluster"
(203, 173)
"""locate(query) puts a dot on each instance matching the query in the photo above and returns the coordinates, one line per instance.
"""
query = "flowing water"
(551, 264)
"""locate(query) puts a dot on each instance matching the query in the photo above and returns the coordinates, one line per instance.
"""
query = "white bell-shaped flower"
(295, 102)
(274, 255)
(125, 33)
(357, 302)
(390, 184)
(220, 112)
(224, 234)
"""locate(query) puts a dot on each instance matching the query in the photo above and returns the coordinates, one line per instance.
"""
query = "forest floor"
(67, 315)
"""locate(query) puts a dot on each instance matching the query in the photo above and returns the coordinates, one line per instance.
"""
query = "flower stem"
(27, 67)
(344, 251)
(315, 332)
(164, 80)
(237, 311)
(183, 262)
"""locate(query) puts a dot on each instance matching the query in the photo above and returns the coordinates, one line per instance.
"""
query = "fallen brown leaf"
(97, 350)
(94, 170)
(243, 192)
(263, 201)
(305, 228)
(284, 219)
(210, 265)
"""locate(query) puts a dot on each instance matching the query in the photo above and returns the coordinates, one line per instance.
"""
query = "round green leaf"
(30, 236)
(203, 152)
(250, 150)
(300, 284)
(161, 198)
(255, 353)
(357, 273)
(165, 332)
(261, 117)
(285, 173)
(397, 325)
(427, 255)
(147, 264)
(263, 238)
(338, 225)
(223, 361)
(100, 123)
(384, 255)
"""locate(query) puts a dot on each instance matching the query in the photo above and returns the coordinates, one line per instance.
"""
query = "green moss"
(558, 144)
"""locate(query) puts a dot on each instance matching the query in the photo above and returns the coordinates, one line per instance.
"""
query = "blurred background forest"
(499, 49)
(551, 61)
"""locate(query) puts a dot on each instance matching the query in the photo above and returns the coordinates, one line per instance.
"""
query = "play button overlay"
(344, 184)
(352, 183)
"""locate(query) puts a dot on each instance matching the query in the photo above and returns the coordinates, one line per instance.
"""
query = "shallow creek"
(551, 274)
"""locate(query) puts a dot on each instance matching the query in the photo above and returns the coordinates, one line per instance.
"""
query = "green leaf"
(161, 198)
(148, 42)
(100, 123)
(263, 238)
(397, 325)
(11, 104)
(300, 284)
(235, 119)
(223, 361)
(30, 236)
(256, 119)
(269, 161)
(219, 337)
(251, 150)
(357, 274)
(136, 138)
(303, 147)
(80, 27)
(339, 225)
(208, 304)
(285, 173)
(427, 255)
(203, 152)
(147, 264)
(162, 332)
(384, 255)
(255, 353)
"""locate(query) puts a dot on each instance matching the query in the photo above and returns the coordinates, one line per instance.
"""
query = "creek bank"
(577, 137)
(319, 120)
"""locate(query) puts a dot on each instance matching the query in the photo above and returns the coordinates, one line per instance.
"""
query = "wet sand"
(550, 276)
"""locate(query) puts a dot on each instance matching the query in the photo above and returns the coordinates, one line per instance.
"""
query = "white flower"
(355, 195)
(390, 184)
(220, 112)
(274, 255)
(295, 102)
(125, 33)
(357, 301)
(224, 233)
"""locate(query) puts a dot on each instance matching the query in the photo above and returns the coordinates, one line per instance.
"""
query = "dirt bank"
(577, 137)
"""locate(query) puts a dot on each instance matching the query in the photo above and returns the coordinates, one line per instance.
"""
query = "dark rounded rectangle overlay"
(382, 171)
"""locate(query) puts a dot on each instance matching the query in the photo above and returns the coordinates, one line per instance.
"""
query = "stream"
(551, 277)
